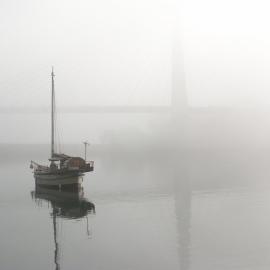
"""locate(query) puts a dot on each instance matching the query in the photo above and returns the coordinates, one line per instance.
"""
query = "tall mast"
(52, 115)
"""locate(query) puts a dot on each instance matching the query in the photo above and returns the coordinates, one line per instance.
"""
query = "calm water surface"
(197, 211)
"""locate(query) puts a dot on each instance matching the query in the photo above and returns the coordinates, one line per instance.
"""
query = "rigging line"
(58, 136)
(52, 115)
(56, 124)
(57, 131)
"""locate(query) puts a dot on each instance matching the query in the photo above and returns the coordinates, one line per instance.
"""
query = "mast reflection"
(67, 204)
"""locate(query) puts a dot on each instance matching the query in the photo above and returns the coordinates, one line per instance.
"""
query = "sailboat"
(63, 170)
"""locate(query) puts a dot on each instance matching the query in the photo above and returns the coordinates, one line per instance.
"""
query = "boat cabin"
(70, 163)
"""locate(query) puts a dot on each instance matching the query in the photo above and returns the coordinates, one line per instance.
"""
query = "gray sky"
(104, 52)
(120, 52)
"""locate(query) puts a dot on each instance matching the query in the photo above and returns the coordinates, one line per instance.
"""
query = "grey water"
(199, 209)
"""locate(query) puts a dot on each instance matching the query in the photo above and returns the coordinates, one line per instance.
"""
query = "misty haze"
(148, 141)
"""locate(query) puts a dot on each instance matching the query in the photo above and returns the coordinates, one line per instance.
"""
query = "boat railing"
(36, 166)
(91, 163)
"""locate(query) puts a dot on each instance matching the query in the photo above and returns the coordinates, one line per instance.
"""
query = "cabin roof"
(63, 157)
(57, 157)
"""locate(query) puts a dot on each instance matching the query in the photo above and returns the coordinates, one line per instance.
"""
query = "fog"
(173, 97)
(140, 72)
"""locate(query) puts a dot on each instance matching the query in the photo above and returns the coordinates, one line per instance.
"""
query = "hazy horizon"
(152, 61)
(172, 97)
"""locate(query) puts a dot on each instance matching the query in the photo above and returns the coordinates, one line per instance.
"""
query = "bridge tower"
(179, 100)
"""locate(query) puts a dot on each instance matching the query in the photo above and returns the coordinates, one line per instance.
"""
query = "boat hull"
(58, 179)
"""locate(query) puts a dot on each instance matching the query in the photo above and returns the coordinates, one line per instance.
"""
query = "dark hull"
(59, 179)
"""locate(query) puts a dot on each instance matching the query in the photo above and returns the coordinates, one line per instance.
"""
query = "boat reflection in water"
(67, 204)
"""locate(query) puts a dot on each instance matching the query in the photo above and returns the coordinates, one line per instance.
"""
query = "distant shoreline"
(130, 109)
(88, 109)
